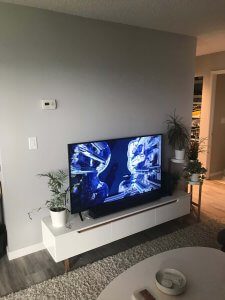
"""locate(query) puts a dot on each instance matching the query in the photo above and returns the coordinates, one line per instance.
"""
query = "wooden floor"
(213, 198)
(34, 268)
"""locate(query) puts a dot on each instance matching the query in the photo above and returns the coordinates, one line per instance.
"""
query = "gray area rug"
(86, 283)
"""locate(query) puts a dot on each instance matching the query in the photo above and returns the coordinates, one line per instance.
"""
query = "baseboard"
(24, 251)
(215, 174)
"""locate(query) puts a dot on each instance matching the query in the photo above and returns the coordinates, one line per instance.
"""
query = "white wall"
(110, 81)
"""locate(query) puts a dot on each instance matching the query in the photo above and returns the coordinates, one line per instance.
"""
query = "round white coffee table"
(204, 269)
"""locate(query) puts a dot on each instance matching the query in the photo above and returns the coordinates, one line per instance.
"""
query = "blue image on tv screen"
(111, 170)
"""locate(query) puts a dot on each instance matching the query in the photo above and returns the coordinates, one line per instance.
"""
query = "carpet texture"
(86, 283)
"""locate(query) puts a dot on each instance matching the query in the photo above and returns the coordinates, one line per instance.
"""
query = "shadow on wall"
(3, 235)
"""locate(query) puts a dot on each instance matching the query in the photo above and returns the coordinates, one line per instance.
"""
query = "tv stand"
(81, 236)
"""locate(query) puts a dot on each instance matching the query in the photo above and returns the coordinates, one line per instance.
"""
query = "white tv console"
(79, 237)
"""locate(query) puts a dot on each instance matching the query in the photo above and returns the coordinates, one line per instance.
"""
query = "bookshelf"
(196, 108)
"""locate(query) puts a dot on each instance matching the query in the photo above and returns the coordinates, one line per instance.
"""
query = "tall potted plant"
(178, 135)
(195, 147)
(57, 203)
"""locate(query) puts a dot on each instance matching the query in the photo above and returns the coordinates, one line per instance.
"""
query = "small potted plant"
(57, 203)
(194, 171)
(178, 135)
(195, 147)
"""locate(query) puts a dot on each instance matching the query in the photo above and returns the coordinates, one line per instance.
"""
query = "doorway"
(208, 122)
(216, 139)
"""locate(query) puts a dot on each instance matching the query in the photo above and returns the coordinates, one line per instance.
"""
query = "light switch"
(32, 143)
(223, 120)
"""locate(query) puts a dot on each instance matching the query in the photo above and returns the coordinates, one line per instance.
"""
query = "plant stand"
(198, 204)
(181, 162)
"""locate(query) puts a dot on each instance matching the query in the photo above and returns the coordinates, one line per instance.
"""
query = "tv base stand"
(81, 217)
(81, 236)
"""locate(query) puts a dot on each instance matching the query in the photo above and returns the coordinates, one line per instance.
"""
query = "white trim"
(211, 175)
(213, 78)
(217, 72)
(24, 251)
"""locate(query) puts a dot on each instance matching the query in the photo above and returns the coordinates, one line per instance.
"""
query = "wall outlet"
(32, 141)
(48, 104)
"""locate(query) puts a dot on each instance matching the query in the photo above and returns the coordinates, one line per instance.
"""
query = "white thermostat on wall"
(48, 104)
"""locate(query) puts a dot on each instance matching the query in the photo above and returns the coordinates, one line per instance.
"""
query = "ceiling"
(202, 18)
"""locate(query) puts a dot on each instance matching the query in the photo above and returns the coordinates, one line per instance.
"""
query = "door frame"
(213, 78)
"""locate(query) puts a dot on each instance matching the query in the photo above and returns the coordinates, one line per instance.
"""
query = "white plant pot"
(58, 218)
(195, 177)
(179, 154)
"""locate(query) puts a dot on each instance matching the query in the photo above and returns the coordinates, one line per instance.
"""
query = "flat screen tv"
(114, 173)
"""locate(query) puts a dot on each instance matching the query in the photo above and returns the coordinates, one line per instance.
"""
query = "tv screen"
(109, 171)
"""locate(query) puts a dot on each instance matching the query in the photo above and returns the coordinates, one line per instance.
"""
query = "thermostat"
(48, 104)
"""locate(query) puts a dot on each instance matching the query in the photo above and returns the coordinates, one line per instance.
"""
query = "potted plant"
(57, 203)
(178, 135)
(194, 171)
(195, 147)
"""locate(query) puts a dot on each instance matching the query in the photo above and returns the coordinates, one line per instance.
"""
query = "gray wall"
(110, 81)
(217, 162)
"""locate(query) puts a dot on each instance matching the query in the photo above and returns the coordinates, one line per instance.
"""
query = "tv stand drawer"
(133, 224)
(173, 210)
(80, 242)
